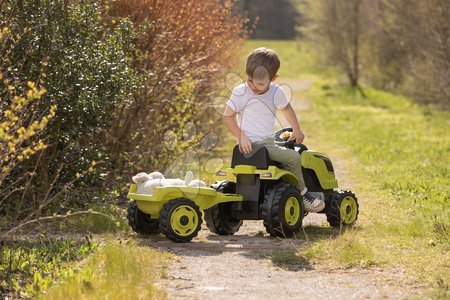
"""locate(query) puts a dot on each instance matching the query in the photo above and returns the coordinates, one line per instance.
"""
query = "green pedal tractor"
(254, 188)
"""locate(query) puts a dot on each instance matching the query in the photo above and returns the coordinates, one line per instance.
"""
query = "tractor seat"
(260, 158)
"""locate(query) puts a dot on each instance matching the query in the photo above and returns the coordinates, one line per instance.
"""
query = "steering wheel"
(282, 136)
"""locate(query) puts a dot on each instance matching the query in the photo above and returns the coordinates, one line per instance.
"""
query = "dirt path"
(245, 266)
(252, 265)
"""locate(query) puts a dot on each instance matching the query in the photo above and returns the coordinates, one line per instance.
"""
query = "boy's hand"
(245, 145)
(299, 136)
(297, 133)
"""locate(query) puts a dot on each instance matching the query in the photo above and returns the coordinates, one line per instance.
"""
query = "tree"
(338, 30)
(421, 31)
(401, 45)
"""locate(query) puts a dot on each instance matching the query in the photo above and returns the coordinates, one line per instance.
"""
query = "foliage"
(113, 73)
(109, 217)
(380, 41)
(18, 125)
(338, 29)
(22, 125)
(118, 270)
(415, 58)
(184, 45)
(84, 70)
(29, 267)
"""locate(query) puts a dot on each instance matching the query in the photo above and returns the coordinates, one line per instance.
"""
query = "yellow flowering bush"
(18, 126)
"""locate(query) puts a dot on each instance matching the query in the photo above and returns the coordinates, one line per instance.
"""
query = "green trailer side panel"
(311, 160)
(203, 197)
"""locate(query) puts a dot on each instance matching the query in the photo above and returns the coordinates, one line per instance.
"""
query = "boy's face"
(258, 86)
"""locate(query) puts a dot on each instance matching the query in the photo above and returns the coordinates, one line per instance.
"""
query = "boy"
(255, 102)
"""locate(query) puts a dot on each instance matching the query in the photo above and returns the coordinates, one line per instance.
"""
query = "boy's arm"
(229, 118)
(290, 116)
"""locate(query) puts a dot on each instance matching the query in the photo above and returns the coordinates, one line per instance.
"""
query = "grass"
(111, 219)
(296, 58)
(288, 260)
(29, 267)
(119, 270)
(399, 157)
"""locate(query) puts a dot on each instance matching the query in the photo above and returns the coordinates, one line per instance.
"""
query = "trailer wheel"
(180, 220)
(141, 222)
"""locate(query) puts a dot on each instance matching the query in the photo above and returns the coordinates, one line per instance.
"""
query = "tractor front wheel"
(342, 208)
(180, 220)
(283, 210)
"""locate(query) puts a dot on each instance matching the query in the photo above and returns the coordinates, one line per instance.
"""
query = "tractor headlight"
(221, 173)
(266, 175)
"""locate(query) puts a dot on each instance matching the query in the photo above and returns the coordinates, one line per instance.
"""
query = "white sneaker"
(311, 203)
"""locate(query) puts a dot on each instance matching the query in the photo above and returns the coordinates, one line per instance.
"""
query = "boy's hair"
(262, 59)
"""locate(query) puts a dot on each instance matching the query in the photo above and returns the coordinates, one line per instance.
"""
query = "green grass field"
(397, 157)
(398, 154)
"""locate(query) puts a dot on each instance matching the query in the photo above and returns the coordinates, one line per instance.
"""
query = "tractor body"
(253, 188)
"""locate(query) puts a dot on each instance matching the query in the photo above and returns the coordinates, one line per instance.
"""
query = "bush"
(122, 75)
(185, 47)
(84, 69)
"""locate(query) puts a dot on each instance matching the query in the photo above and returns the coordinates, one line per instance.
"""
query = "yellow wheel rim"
(292, 211)
(348, 210)
(184, 220)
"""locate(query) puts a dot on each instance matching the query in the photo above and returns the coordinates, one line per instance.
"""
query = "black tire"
(274, 210)
(141, 222)
(218, 218)
(184, 214)
(333, 210)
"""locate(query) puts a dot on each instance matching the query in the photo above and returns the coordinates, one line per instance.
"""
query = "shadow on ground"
(251, 242)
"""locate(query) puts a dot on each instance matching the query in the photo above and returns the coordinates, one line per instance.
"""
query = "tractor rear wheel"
(218, 218)
(342, 208)
(283, 210)
(180, 220)
(141, 222)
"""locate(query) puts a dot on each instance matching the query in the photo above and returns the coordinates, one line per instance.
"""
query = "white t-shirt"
(257, 113)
